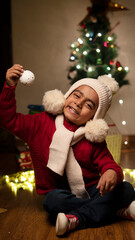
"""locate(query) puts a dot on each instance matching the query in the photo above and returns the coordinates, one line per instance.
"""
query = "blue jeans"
(94, 212)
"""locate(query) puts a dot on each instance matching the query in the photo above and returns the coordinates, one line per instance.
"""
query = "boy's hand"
(13, 74)
(107, 181)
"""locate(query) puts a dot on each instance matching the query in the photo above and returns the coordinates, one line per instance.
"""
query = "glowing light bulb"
(80, 40)
(85, 52)
(109, 75)
(89, 69)
(23, 179)
(72, 45)
(126, 142)
(126, 69)
(119, 68)
(87, 35)
(98, 50)
(124, 122)
(121, 101)
(108, 68)
(77, 49)
(72, 58)
(99, 34)
(78, 66)
(109, 38)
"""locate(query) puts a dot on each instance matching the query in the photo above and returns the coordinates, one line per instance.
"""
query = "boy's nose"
(79, 103)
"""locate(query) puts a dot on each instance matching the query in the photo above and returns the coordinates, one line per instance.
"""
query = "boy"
(83, 186)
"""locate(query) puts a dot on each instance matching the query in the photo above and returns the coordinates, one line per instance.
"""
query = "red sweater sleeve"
(104, 160)
(23, 126)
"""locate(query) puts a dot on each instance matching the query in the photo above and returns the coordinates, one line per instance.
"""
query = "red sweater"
(37, 130)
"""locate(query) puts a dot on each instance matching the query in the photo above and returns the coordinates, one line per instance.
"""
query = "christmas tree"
(95, 51)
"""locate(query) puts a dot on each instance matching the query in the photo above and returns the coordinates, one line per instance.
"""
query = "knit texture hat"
(61, 158)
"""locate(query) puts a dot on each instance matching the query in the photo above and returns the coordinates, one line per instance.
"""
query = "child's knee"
(54, 199)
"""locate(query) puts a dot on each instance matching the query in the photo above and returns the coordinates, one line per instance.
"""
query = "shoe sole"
(61, 224)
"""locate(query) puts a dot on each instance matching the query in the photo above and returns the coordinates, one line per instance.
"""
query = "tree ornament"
(99, 61)
(106, 44)
(93, 19)
(111, 62)
(118, 64)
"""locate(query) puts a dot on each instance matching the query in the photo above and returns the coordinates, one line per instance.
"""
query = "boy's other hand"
(107, 181)
(13, 74)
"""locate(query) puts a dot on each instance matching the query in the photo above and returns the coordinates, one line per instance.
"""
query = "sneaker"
(65, 223)
(127, 213)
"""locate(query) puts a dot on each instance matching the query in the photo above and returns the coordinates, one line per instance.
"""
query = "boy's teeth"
(73, 110)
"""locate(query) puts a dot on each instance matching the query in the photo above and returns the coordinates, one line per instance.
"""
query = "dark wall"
(7, 141)
(5, 39)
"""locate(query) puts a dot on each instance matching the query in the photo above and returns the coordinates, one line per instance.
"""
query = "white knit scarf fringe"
(61, 157)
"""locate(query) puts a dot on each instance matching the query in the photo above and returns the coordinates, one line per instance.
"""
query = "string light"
(124, 122)
(89, 69)
(20, 180)
(119, 68)
(72, 58)
(109, 38)
(126, 69)
(72, 45)
(85, 52)
(109, 75)
(108, 68)
(125, 142)
(121, 101)
(78, 66)
(98, 50)
(80, 40)
(87, 35)
(99, 34)
(77, 49)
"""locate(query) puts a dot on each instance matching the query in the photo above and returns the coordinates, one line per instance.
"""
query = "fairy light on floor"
(129, 175)
(20, 180)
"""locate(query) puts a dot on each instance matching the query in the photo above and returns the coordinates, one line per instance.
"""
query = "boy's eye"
(89, 106)
(76, 95)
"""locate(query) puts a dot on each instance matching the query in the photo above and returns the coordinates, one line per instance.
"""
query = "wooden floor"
(22, 216)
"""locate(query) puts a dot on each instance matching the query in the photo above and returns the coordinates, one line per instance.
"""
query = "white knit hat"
(105, 87)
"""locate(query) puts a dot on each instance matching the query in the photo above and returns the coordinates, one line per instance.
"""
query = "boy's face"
(81, 105)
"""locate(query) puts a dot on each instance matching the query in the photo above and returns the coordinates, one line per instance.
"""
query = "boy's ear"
(54, 101)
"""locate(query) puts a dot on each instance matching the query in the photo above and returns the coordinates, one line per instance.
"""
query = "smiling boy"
(82, 184)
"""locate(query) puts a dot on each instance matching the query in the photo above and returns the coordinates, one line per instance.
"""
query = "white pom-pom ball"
(54, 101)
(96, 130)
(27, 77)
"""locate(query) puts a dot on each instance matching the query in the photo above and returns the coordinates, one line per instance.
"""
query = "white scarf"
(61, 157)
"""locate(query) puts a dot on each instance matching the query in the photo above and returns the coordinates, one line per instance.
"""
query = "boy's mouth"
(73, 110)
